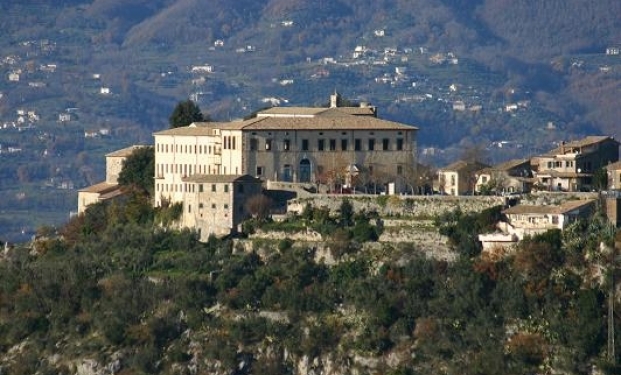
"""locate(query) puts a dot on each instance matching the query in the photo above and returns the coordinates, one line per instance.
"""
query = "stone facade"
(215, 204)
(335, 145)
(109, 188)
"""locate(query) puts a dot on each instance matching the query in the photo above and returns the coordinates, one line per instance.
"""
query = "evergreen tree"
(139, 169)
(185, 113)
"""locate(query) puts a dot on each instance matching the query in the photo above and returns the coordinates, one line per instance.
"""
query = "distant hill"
(549, 53)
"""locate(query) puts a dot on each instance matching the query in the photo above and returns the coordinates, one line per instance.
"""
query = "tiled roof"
(317, 111)
(561, 209)
(125, 152)
(553, 173)
(587, 141)
(462, 165)
(221, 178)
(508, 165)
(347, 122)
(100, 188)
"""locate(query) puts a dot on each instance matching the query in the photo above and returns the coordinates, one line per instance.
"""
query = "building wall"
(281, 155)
(114, 166)
(216, 208)
(85, 199)
(177, 157)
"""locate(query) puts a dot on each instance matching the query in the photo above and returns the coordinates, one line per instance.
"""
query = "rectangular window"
(399, 144)
(550, 164)
(254, 144)
(226, 188)
(333, 145)
(320, 144)
(385, 144)
(259, 171)
(344, 144)
(371, 144)
(287, 145)
(226, 206)
(357, 144)
(200, 188)
(399, 169)
(213, 187)
(304, 144)
(189, 208)
(213, 205)
(268, 144)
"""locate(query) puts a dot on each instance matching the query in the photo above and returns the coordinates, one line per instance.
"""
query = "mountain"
(467, 73)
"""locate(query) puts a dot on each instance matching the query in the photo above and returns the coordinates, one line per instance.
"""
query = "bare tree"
(259, 206)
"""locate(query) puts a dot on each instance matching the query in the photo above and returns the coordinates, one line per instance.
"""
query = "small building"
(459, 178)
(529, 220)
(109, 188)
(513, 176)
(570, 167)
(102, 191)
(217, 204)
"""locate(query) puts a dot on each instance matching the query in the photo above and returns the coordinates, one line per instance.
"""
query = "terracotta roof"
(221, 178)
(317, 111)
(462, 165)
(510, 164)
(101, 188)
(347, 122)
(553, 173)
(587, 141)
(125, 152)
(560, 209)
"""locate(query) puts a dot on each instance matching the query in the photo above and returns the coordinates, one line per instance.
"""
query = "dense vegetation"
(116, 284)
(547, 57)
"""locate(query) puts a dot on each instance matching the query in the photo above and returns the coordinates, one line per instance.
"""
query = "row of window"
(320, 169)
(213, 207)
(191, 188)
(195, 149)
(559, 164)
(331, 145)
(189, 169)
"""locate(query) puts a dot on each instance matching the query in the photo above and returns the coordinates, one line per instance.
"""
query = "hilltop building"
(109, 188)
(301, 145)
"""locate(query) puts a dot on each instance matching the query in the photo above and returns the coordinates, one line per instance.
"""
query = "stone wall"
(417, 206)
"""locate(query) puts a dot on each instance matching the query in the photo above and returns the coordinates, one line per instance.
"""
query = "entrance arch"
(305, 170)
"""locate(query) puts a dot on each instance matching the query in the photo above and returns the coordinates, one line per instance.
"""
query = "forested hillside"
(114, 292)
(523, 75)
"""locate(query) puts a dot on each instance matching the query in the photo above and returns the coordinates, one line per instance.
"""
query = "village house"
(300, 145)
(459, 178)
(513, 176)
(570, 167)
(529, 220)
(109, 188)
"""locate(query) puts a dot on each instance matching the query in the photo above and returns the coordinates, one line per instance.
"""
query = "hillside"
(467, 73)
(113, 292)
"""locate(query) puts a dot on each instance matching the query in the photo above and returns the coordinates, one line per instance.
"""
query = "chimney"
(334, 100)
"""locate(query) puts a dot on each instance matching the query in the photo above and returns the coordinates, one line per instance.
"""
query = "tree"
(138, 170)
(259, 206)
(185, 113)
(600, 179)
